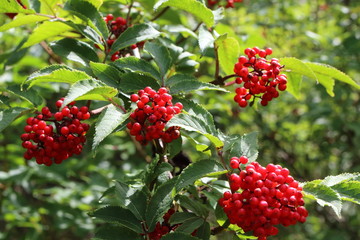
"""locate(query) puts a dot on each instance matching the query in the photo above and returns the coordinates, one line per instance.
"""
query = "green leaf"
(56, 73)
(12, 6)
(87, 32)
(96, 3)
(75, 50)
(228, 52)
(194, 85)
(131, 82)
(206, 39)
(45, 31)
(7, 116)
(134, 199)
(178, 78)
(21, 20)
(114, 232)
(134, 34)
(333, 180)
(106, 73)
(161, 56)
(297, 66)
(294, 84)
(245, 145)
(116, 214)
(195, 206)
(328, 83)
(348, 190)
(190, 225)
(179, 236)
(196, 171)
(89, 90)
(107, 122)
(194, 7)
(332, 72)
(180, 217)
(30, 95)
(159, 203)
(137, 65)
(324, 195)
(88, 13)
(194, 124)
(203, 231)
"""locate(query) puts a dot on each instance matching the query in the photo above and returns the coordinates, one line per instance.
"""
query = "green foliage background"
(314, 136)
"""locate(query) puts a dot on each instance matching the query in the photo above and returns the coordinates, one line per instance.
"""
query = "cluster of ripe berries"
(12, 15)
(53, 137)
(116, 27)
(261, 77)
(269, 196)
(154, 110)
(229, 3)
(163, 228)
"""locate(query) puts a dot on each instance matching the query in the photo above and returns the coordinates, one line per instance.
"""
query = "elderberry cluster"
(270, 196)
(116, 28)
(53, 137)
(154, 110)
(261, 77)
(229, 3)
(163, 228)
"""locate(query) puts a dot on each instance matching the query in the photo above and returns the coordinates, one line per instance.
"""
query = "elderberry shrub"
(154, 110)
(261, 77)
(269, 196)
(53, 137)
(229, 3)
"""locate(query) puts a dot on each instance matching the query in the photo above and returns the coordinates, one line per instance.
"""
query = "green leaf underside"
(161, 56)
(131, 82)
(138, 66)
(333, 180)
(89, 90)
(194, 85)
(106, 73)
(328, 83)
(21, 20)
(75, 50)
(195, 171)
(294, 84)
(194, 7)
(12, 6)
(206, 39)
(349, 191)
(118, 215)
(179, 235)
(7, 116)
(134, 34)
(245, 145)
(113, 232)
(107, 122)
(228, 52)
(297, 66)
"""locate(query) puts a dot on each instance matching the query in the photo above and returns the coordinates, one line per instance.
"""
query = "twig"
(52, 55)
(217, 62)
(128, 13)
(159, 14)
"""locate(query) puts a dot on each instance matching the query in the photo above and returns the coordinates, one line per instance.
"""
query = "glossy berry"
(269, 196)
(260, 77)
(225, 3)
(53, 137)
(154, 110)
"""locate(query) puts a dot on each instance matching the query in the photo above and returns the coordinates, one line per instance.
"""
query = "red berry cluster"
(270, 196)
(260, 77)
(154, 110)
(12, 15)
(53, 137)
(116, 28)
(229, 3)
(163, 228)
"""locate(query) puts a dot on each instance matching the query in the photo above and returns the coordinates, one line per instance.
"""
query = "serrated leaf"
(333, 180)
(174, 147)
(348, 190)
(194, 85)
(107, 122)
(177, 78)
(12, 6)
(194, 124)
(204, 231)
(113, 232)
(194, 7)
(179, 235)
(7, 116)
(30, 95)
(161, 56)
(86, 31)
(131, 82)
(89, 90)
(294, 84)
(206, 39)
(297, 66)
(137, 65)
(75, 50)
(196, 171)
(132, 198)
(332, 72)
(228, 52)
(245, 145)
(45, 31)
(116, 214)
(134, 34)
(180, 29)
(180, 217)
(190, 225)
(324, 195)
(328, 83)
(88, 13)
(21, 20)
(159, 203)
(56, 73)
(196, 207)
(106, 73)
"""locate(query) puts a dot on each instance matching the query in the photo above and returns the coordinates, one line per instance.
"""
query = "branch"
(159, 14)
(52, 55)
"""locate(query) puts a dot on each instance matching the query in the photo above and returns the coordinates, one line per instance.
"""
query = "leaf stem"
(159, 14)
(128, 13)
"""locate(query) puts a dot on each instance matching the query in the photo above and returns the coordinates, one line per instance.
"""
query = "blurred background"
(315, 136)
